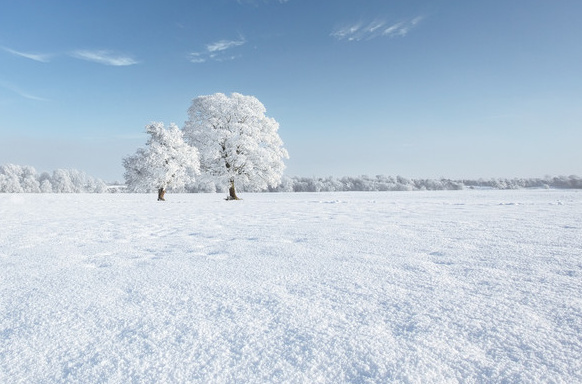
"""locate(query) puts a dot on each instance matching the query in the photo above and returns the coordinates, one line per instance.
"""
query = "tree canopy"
(167, 162)
(237, 142)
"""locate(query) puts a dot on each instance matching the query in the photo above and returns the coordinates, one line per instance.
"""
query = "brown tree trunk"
(161, 193)
(232, 192)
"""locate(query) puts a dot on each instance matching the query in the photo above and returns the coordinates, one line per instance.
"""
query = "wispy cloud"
(223, 45)
(197, 58)
(20, 92)
(104, 57)
(377, 28)
(217, 51)
(43, 58)
(98, 56)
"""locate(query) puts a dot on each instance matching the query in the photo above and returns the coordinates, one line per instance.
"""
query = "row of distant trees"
(19, 179)
(399, 183)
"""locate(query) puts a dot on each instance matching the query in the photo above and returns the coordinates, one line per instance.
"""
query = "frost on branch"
(167, 162)
(239, 145)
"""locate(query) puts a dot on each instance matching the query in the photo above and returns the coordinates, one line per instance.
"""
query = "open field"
(419, 287)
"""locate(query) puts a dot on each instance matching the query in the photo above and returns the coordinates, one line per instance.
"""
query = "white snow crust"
(411, 287)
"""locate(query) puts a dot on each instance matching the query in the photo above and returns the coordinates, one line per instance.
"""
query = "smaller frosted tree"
(29, 180)
(238, 143)
(167, 162)
(62, 182)
(10, 178)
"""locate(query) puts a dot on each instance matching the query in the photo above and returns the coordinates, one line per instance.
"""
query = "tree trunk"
(161, 193)
(232, 192)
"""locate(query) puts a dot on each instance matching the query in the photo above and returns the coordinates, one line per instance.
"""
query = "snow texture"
(414, 287)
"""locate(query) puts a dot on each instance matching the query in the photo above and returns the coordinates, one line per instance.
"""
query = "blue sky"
(459, 89)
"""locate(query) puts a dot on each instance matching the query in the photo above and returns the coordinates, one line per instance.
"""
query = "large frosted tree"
(167, 162)
(239, 145)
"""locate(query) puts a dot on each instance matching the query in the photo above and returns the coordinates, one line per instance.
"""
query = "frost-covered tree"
(29, 179)
(46, 186)
(62, 182)
(238, 144)
(168, 162)
(17, 179)
(10, 178)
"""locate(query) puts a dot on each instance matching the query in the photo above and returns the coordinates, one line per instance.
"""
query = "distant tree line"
(399, 183)
(25, 179)
(15, 179)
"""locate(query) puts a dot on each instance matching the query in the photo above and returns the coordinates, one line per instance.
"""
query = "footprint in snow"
(440, 258)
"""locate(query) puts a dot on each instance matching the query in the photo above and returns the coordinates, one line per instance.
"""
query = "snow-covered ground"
(419, 287)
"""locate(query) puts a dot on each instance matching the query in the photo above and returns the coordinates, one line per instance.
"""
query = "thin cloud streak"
(223, 45)
(104, 57)
(216, 51)
(20, 92)
(375, 29)
(43, 58)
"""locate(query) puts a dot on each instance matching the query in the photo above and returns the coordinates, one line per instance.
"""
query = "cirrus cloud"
(43, 58)
(217, 51)
(104, 57)
(377, 28)
(223, 45)
(17, 90)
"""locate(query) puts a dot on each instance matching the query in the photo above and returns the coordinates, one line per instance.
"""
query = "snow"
(414, 287)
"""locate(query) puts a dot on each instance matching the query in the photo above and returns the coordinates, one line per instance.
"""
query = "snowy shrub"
(46, 187)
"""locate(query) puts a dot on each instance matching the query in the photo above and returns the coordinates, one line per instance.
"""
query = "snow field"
(414, 287)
